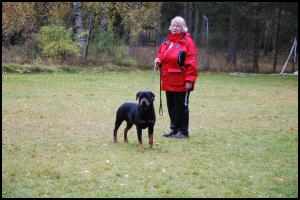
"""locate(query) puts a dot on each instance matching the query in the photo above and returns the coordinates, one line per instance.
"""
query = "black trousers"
(178, 111)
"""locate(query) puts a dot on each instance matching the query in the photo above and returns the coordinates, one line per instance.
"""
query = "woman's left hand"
(188, 86)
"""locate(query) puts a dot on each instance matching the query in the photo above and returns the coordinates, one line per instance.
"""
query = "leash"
(152, 76)
(186, 99)
(160, 110)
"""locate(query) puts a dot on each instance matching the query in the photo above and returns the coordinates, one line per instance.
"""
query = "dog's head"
(145, 99)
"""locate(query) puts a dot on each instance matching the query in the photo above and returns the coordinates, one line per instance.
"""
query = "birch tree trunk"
(82, 38)
(89, 36)
(102, 19)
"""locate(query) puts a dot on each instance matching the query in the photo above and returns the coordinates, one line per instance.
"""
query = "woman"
(177, 59)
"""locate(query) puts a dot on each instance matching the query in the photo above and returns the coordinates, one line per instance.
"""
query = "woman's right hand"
(157, 62)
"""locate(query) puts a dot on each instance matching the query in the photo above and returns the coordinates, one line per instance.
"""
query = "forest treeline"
(245, 36)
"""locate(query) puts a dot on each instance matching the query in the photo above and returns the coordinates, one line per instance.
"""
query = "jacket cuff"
(190, 80)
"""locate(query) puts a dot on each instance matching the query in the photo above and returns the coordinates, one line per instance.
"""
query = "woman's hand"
(188, 86)
(157, 62)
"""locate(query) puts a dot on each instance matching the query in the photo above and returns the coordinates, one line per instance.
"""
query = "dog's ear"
(152, 95)
(137, 95)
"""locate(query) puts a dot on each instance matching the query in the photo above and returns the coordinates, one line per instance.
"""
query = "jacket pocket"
(175, 76)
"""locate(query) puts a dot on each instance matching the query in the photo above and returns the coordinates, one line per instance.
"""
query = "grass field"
(57, 138)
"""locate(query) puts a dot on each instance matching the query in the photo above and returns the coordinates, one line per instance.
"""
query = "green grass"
(57, 138)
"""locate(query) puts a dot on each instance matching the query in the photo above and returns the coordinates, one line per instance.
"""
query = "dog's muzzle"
(144, 103)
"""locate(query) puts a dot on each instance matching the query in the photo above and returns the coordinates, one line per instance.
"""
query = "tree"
(137, 15)
(16, 19)
(256, 16)
(232, 34)
(277, 37)
(81, 34)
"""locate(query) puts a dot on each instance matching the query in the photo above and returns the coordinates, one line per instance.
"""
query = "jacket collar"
(175, 37)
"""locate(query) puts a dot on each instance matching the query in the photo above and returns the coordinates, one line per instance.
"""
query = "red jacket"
(174, 76)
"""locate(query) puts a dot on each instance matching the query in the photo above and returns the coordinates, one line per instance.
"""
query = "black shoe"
(170, 133)
(181, 134)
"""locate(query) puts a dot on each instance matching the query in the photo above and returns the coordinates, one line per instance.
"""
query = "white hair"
(180, 21)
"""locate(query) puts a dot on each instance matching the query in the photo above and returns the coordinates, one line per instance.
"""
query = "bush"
(108, 46)
(56, 42)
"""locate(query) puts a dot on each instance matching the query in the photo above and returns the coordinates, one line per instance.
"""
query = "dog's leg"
(139, 134)
(125, 132)
(117, 125)
(150, 134)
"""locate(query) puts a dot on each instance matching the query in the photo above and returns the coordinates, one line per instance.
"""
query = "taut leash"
(160, 110)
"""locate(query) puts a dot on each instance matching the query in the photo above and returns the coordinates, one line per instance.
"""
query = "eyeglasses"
(176, 25)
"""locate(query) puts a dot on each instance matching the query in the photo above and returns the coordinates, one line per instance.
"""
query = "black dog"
(141, 114)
